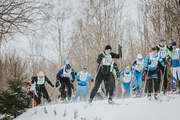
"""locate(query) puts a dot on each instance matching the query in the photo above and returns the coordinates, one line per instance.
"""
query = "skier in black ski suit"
(163, 52)
(115, 73)
(40, 80)
(63, 76)
(105, 71)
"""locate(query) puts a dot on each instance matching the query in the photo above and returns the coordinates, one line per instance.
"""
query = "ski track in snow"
(126, 109)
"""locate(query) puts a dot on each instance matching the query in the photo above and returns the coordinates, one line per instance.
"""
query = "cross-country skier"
(126, 81)
(163, 51)
(82, 78)
(40, 80)
(175, 64)
(151, 67)
(115, 72)
(33, 92)
(137, 69)
(105, 71)
(63, 78)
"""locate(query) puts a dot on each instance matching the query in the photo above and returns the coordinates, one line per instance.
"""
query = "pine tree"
(14, 101)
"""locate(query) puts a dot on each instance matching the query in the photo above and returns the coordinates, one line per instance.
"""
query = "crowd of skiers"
(153, 70)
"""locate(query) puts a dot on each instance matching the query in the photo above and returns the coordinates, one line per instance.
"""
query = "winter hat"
(162, 40)
(108, 47)
(154, 48)
(68, 66)
(139, 56)
(84, 67)
(173, 43)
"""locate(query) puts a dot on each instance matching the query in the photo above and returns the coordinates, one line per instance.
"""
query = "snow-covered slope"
(125, 109)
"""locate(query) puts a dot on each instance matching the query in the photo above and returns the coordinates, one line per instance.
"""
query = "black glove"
(57, 83)
(78, 79)
(52, 85)
(72, 81)
(92, 80)
(120, 50)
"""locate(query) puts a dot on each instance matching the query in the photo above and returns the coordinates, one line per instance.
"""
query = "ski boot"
(155, 96)
(90, 100)
(149, 96)
(110, 101)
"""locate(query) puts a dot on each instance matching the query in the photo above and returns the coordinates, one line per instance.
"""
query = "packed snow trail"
(124, 109)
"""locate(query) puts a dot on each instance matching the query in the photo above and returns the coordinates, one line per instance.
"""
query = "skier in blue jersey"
(151, 67)
(63, 77)
(126, 81)
(82, 80)
(137, 69)
(175, 64)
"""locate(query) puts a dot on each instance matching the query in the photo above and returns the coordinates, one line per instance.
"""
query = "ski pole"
(145, 83)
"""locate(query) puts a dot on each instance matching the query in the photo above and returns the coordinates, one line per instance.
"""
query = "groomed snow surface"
(124, 109)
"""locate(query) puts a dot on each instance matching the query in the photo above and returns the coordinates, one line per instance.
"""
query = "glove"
(120, 50)
(52, 85)
(78, 79)
(57, 83)
(72, 81)
(92, 80)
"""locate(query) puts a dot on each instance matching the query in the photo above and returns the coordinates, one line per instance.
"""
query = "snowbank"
(124, 109)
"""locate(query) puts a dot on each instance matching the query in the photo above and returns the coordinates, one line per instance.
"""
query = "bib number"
(41, 81)
(107, 60)
(83, 76)
(163, 53)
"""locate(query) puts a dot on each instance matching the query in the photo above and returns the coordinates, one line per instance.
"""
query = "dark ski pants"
(152, 84)
(164, 77)
(109, 83)
(41, 91)
(65, 84)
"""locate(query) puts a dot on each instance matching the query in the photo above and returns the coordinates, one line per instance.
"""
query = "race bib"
(175, 54)
(163, 53)
(154, 62)
(83, 76)
(139, 67)
(127, 78)
(41, 81)
(107, 60)
(33, 87)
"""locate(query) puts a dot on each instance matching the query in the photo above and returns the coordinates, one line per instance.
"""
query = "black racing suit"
(104, 73)
(41, 89)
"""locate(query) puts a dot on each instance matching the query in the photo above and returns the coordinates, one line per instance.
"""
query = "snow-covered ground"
(124, 109)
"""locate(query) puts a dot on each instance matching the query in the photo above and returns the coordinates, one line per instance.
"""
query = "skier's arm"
(49, 82)
(59, 74)
(114, 55)
(73, 75)
(146, 62)
(100, 57)
(90, 77)
(77, 77)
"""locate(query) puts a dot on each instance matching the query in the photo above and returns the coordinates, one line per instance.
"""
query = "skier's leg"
(111, 82)
(178, 75)
(165, 79)
(123, 90)
(45, 94)
(84, 93)
(69, 90)
(129, 88)
(139, 82)
(62, 89)
(135, 81)
(174, 72)
(78, 91)
(98, 81)
(149, 85)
